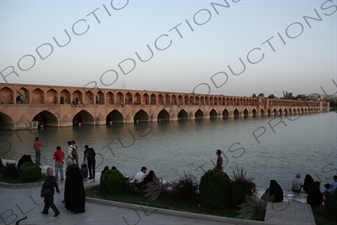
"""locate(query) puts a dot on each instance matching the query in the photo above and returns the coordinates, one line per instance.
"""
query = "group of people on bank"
(312, 188)
(74, 197)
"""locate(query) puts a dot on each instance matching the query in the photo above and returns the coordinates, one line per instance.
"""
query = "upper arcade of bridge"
(26, 106)
(49, 95)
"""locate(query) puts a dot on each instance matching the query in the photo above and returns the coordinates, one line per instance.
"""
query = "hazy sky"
(222, 47)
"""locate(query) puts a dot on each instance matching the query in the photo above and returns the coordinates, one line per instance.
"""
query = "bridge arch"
(89, 98)
(137, 99)
(46, 118)
(163, 115)
(100, 100)
(213, 114)
(199, 114)
(225, 113)
(182, 115)
(6, 121)
(236, 113)
(153, 99)
(83, 117)
(115, 117)
(245, 113)
(141, 116)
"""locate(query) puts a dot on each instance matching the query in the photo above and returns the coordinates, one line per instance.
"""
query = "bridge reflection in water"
(25, 106)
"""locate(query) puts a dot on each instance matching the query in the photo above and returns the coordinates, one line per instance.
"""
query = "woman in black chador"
(74, 197)
(274, 193)
(308, 183)
(315, 196)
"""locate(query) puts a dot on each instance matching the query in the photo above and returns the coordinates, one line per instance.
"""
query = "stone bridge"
(25, 106)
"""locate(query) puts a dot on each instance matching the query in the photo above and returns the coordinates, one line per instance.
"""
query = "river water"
(265, 147)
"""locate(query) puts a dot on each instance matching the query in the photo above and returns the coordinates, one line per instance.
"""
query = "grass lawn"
(138, 198)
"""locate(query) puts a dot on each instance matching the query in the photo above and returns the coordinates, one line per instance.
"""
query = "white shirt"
(139, 177)
(296, 184)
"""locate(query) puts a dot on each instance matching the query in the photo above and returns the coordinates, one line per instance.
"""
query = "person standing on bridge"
(37, 147)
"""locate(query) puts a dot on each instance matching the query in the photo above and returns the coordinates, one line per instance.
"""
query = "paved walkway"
(16, 203)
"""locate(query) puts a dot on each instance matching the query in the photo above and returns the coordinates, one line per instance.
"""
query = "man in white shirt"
(138, 179)
(297, 184)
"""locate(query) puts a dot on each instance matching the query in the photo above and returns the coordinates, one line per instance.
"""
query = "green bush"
(331, 207)
(240, 186)
(185, 189)
(112, 182)
(214, 189)
(10, 170)
(29, 172)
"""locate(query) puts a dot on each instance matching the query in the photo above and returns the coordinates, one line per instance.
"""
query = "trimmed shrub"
(331, 207)
(185, 189)
(112, 182)
(240, 186)
(214, 189)
(29, 172)
(10, 170)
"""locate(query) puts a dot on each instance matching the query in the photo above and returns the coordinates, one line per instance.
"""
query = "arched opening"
(114, 117)
(245, 113)
(128, 99)
(120, 99)
(145, 99)
(100, 98)
(110, 99)
(254, 112)
(6, 96)
(6, 122)
(163, 116)
(153, 99)
(236, 113)
(137, 99)
(89, 98)
(141, 116)
(37, 96)
(213, 114)
(83, 117)
(77, 98)
(65, 97)
(22, 96)
(46, 118)
(51, 97)
(262, 112)
(160, 99)
(225, 114)
(182, 115)
(199, 115)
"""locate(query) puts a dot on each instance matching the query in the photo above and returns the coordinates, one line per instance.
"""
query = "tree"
(271, 96)
(288, 95)
(254, 95)
(261, 95)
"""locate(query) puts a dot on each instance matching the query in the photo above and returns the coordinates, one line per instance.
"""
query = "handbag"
(46, 191)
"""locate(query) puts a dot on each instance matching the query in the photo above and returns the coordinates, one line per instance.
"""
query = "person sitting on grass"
(141, 178)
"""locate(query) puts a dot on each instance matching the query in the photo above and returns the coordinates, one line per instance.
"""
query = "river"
(265, 147)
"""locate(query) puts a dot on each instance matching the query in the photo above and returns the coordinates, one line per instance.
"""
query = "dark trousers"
(49, 202)
(91, 167)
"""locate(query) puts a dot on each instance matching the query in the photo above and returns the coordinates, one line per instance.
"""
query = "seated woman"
(105, 169)
(315, 196)
(24, 158)
(308, 183)
(274, 193)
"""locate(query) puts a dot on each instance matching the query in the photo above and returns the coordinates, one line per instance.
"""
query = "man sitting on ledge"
(141, 179)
